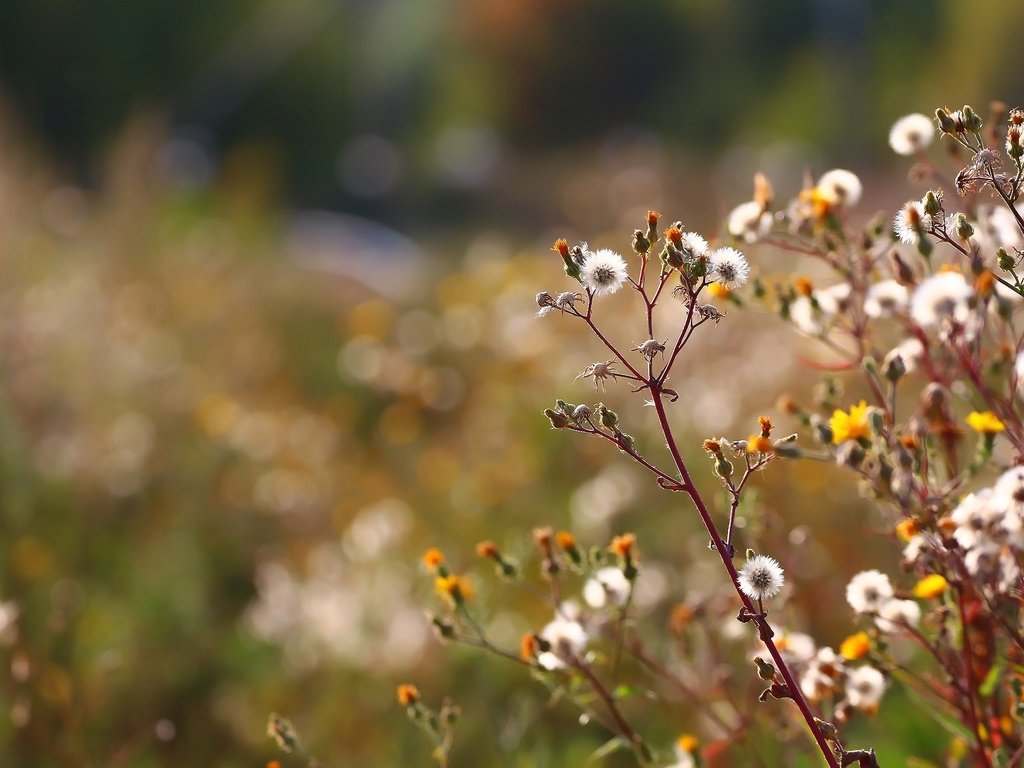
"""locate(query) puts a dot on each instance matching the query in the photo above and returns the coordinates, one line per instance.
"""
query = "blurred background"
(267, 332)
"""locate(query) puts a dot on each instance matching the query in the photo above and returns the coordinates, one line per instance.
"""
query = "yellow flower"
(905, 529)
(687, 743)
(457, 589)
(930, 586)
(986, 422)
(719, 291)
(855, 646)
(759, 444)
(849, 426)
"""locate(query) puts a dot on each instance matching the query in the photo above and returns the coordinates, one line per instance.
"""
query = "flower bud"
(544, 299)
(972, 120)
(931, 203)
(608, 417)
(1005, 260)
(641, 244)
(850, 454)
(558, 419)
(964, 230)
(893, 366)
(946, 124)
(900, 269)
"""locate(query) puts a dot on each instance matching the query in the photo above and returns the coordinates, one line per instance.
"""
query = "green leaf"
(988, 685)
(624, 691)
(611, 746)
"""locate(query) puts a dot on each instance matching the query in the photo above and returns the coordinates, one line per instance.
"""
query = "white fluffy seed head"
(728, 267)
(761, 577)
(944, 296)
(603, 271)
(840, 187)
(911, 134)
(868, 591)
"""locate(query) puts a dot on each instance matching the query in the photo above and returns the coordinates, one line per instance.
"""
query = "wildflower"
(565, 540)
(977, 519)
(930, 586)
(985, 423)
(911, 222)
(566, 637)
(433, 558)
(796, 647)
(603, 271)
(455, 589)
(407, 694)
(864, 689)
(911, 133)
(1009, 496)
(907, 529)
(608, 585)
(759, 444)
(868, 591)
(719, 291)
(747, 221)
(849, 426)
(566, 300)
(728, 267)
(692, 246)
(623, 545)
(855, 646)
(840, 187)
(761, 577)
(488, 549)
(884, 298)
(909, 351)
(822, 675)
(896, 615)
(944, 296)
(528, 646)
(685, 748)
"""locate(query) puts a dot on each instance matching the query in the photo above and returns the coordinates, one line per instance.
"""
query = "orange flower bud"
(407, 694)
(565, 540)
(488, 549)
(433, 557)
(561, 247)
(623, 545)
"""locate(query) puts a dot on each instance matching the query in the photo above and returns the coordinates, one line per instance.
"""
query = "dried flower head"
(840, 187)
(864, 689)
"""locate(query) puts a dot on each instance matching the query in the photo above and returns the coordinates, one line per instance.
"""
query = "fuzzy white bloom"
(804, 316)
(868, 591)
(945, 296)
(567, 637)
(884, 298)
(840, 187)
(917, 546)
(995, 565)
(910, 221)
(796, 647)
(693, 246)
(607, 586)
(834, 299)
(749, 221)
(897, 615)
(603, 271)
(977, 519)
(1008, 494)
(822, 675)
(911, 133)
(864, 688)
(760, 577)
(728, 267)
(997, 228)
